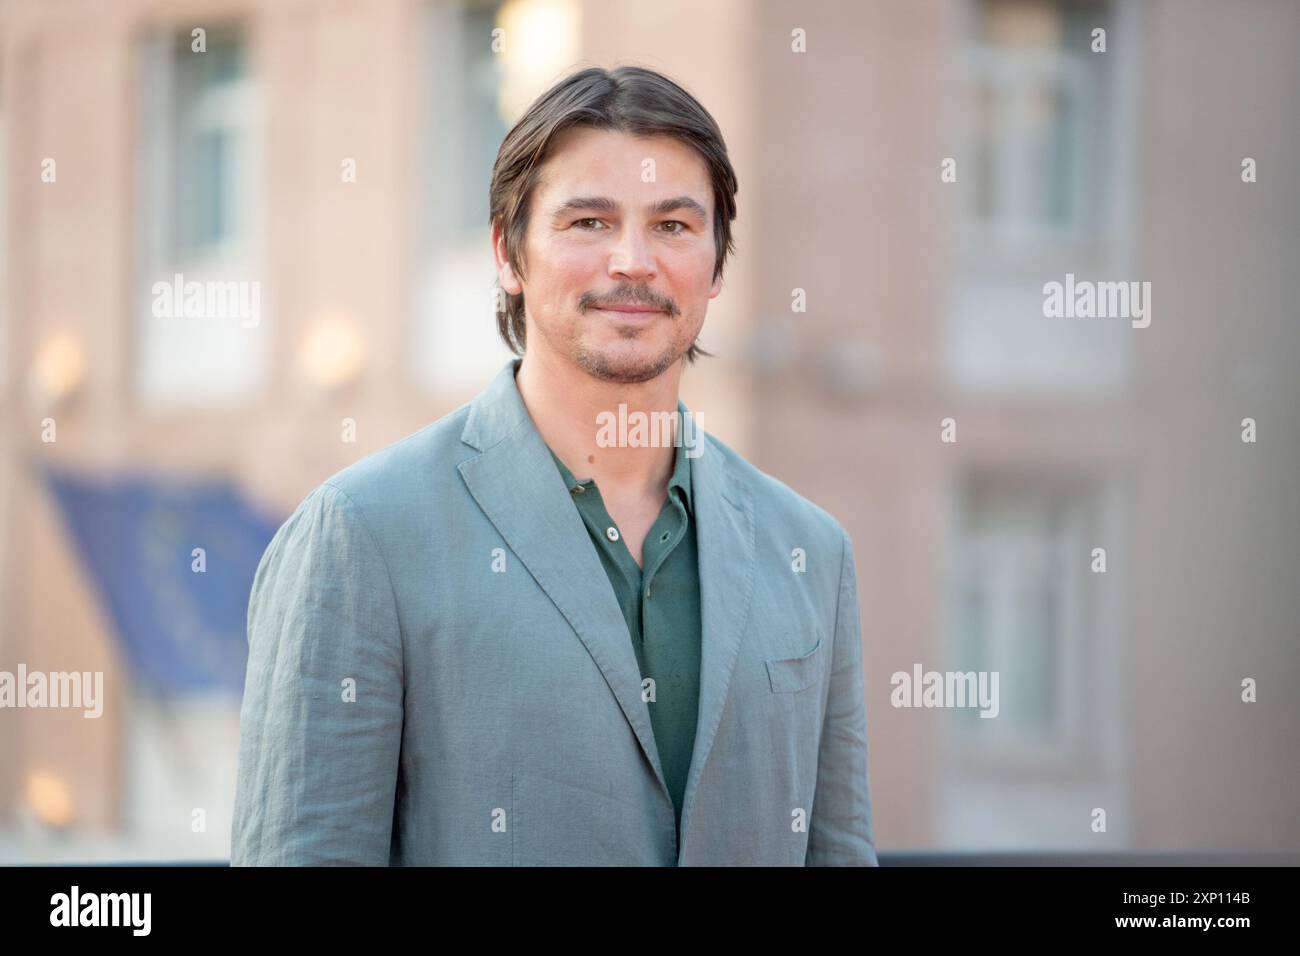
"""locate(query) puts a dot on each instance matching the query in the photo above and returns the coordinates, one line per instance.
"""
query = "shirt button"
(611, 533)
(647, 590)
(579, 489)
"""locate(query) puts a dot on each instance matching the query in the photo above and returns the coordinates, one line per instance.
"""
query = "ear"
(506, 276)
(715, 288)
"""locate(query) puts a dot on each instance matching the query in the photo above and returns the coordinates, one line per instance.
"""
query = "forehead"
(587, 161)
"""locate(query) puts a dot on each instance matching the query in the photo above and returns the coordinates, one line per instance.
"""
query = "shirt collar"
(681, 477)
(679, 480)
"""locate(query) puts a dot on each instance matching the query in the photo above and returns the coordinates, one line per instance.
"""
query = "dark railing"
(968, 858)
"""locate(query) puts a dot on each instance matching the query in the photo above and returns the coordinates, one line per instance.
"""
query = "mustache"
(590, 300)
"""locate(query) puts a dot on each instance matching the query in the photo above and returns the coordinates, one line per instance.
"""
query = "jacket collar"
(515, 483)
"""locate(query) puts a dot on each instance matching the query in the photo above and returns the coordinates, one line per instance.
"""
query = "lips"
(631, 309)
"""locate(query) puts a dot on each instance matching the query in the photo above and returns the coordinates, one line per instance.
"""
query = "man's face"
(618, 253)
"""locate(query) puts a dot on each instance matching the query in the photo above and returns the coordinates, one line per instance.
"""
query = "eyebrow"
(606, 205)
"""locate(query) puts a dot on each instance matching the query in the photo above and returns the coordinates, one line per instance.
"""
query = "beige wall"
(837, 154)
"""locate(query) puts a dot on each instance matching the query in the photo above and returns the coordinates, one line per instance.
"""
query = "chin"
(617, 363)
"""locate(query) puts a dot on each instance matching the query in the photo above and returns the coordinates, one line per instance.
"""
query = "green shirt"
(662, 608)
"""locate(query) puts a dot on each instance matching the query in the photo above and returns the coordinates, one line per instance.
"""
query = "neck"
(564, 403)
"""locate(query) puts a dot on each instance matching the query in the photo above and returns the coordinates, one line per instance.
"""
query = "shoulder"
(776, 505)
(406, 465)
(376, 496)
(395, 478)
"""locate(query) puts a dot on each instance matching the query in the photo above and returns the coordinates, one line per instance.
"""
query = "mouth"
(631, 311)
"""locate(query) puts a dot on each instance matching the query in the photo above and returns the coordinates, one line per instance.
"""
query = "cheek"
(568, 273)
(545, 289)
(572, 259)
(695, 268)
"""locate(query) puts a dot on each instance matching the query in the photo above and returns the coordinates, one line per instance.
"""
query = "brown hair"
(629, 99)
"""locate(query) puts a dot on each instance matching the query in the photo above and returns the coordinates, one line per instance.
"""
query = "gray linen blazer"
(439, 672)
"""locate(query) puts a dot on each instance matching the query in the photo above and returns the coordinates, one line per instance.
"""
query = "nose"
(631, 257)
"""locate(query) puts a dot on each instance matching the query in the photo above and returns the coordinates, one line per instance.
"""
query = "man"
(527, 633)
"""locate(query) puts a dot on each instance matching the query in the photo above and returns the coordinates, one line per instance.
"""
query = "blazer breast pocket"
(790, 674)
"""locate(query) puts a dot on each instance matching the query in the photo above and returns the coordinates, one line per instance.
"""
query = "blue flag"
(180, 613)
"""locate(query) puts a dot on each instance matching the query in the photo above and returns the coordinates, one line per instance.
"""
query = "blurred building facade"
(337, 155)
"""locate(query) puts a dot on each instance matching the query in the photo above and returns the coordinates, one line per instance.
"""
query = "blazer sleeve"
(321, 721)
(840, 832)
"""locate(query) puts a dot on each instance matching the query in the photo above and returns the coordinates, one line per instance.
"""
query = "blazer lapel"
(539, 522)
(724, 531)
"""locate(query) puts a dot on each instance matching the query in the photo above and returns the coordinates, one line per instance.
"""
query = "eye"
(579, 222)
(675, 222)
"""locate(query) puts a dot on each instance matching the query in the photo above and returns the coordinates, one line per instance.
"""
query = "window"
(1044, 166)
(1021, 564)
(1024, 601)
(1037, 120)
(210, 171)
(197, 184)
(477, 87)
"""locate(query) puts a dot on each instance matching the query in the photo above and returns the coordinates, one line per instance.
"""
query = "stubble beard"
(626, 371)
